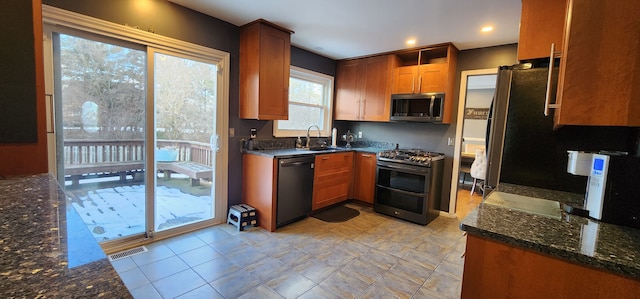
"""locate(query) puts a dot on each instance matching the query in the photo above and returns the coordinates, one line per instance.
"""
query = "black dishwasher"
(295, 189)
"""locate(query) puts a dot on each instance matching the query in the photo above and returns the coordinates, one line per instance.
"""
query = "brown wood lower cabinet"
(364, 180)
(331, 179)
(497, 270)
(259, 187)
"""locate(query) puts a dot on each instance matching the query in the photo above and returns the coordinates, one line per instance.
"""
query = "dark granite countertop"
(573, 239)
(45, 253)
(292, 152)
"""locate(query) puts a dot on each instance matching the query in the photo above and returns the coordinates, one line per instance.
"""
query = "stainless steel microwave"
(419, 107)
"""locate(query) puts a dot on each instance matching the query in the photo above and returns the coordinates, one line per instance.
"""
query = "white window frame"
(327, 82)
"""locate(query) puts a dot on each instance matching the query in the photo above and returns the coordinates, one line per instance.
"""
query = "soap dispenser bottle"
(298, 142)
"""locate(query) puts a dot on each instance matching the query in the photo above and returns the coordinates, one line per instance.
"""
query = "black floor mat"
(336, 214)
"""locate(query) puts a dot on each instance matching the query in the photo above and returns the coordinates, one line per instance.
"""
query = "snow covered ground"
(115, 212)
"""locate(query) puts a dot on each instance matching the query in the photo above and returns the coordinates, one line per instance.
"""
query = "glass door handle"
(214, 142)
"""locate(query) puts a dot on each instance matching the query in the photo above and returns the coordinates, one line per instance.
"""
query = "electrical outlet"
(450, 141)
(232, 132)
(359, 134)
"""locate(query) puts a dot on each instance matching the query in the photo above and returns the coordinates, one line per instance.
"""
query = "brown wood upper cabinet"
(265, 61)
(363, 88)
(541, 23)
(364, 181)
(599, 58)
(331, 179)
(422, 70)
(599, 79)
(427, 69)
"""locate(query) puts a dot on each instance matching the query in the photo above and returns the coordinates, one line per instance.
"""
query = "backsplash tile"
(284, 143)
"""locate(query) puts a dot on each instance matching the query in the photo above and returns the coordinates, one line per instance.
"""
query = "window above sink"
(310, 103)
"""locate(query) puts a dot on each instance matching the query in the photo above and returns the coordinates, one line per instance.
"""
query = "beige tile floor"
(369, 256)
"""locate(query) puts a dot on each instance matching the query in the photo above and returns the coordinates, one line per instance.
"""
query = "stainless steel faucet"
(309, 137)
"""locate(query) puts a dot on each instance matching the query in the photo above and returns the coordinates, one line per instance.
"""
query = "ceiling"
(341, 29)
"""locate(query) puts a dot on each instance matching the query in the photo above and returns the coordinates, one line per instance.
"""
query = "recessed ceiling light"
(411, 41)
(487, 29)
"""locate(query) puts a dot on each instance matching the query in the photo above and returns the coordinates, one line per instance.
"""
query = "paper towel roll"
(334, 137)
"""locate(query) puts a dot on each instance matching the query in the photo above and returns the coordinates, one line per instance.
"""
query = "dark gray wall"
(181, 23)
(430, 136)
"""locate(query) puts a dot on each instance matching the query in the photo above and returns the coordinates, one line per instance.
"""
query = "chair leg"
(474, 185)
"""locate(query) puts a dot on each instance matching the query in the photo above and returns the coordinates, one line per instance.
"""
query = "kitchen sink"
(531, 205)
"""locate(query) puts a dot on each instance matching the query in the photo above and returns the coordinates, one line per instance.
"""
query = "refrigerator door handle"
(547, 98)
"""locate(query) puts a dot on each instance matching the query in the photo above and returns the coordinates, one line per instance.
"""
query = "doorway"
(137, 134)
(477, 88)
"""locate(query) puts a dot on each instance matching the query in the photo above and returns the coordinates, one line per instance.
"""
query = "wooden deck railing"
(120, 157)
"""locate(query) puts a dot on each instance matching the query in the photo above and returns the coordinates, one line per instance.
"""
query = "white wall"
(475, 130)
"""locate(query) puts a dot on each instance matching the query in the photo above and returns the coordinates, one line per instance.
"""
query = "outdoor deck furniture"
(195, 171)
(77, 171)
(103, 158)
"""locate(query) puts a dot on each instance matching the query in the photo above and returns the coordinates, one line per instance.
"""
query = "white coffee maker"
(611, 194)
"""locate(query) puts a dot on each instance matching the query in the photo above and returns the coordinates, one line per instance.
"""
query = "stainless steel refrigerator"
(522, 145)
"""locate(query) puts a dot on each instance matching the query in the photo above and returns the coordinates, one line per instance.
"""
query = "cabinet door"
(265, 55)
(433, 77)
(376, 94)
(498, 270)
(598, 81)
(275, 52)
(404, 79)
(541, 23)
(365, 177)
(331, 179)
(347, 105)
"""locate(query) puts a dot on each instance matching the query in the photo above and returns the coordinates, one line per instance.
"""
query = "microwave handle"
(433, 100)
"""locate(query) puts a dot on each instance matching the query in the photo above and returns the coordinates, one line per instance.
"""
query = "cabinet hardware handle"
(420, 83)
(52, 121)
(325, 158)
(413, 84)
(366, 155)
(362, 104)
(547, 98)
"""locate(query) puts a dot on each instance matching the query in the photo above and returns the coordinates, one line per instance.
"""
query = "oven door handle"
(410, 193)
(405, 169)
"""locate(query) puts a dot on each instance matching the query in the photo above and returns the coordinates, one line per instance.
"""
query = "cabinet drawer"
(333, 162)
(332, 179)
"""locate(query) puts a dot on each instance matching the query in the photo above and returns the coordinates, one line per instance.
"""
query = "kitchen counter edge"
(292, 152)
(615, 248)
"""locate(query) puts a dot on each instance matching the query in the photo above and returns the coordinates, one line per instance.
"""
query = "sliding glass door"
(102, 95)
(137, 136)
(185, 139)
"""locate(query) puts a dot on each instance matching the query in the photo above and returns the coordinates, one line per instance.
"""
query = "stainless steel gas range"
(409, 184)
